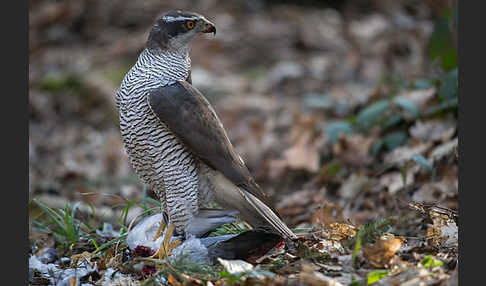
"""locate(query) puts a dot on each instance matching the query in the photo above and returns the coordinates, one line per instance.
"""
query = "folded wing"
(187, 113)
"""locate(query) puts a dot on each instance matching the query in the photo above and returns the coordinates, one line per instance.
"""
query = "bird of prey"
(175, 141)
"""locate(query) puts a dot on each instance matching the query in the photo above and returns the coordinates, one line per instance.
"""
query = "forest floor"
(345, 114)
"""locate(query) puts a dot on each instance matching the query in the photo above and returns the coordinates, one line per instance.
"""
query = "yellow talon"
(174, 244)
(166, 246)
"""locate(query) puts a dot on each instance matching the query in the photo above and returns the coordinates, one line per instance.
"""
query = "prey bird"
(175, 141)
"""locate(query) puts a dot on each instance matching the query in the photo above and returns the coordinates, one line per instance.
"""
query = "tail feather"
(268, 214)
(208, 219)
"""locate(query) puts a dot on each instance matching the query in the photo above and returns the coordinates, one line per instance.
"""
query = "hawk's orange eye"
(190, 24)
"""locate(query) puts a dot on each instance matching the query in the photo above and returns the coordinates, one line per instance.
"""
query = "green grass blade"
(54, 216)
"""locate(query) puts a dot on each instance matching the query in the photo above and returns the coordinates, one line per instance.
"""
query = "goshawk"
(174, 139)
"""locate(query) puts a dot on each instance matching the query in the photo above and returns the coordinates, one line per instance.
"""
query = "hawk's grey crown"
(176, 29)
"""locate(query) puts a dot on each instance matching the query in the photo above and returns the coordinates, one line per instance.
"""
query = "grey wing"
(192, 119)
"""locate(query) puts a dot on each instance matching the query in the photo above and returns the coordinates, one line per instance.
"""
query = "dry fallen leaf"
(304, 154)
(86, 256)
(444, 231)
(433, 236)
(444, 149)
(325, 246)
(339, 231)
(115, 260)
(354, 149)
(404, 153)
(432, 192)
(433, 130)
(308, 276)
(122, 281)
(328, 214)
(298, 206)
(449, 235)
(414, 276)
(353, 185)
(188, 280)
(393, 181)
(380, 253)
(419, 96)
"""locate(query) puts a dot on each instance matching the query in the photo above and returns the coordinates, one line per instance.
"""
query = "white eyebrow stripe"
(178, 18)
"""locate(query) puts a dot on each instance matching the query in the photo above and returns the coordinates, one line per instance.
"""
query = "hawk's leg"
(166, 246)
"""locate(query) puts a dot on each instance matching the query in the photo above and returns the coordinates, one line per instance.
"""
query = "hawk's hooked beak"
(209, 28)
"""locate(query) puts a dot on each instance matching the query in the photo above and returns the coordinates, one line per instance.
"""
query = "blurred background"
(341, 109)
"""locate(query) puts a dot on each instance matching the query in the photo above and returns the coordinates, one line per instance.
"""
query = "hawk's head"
(176, 29)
